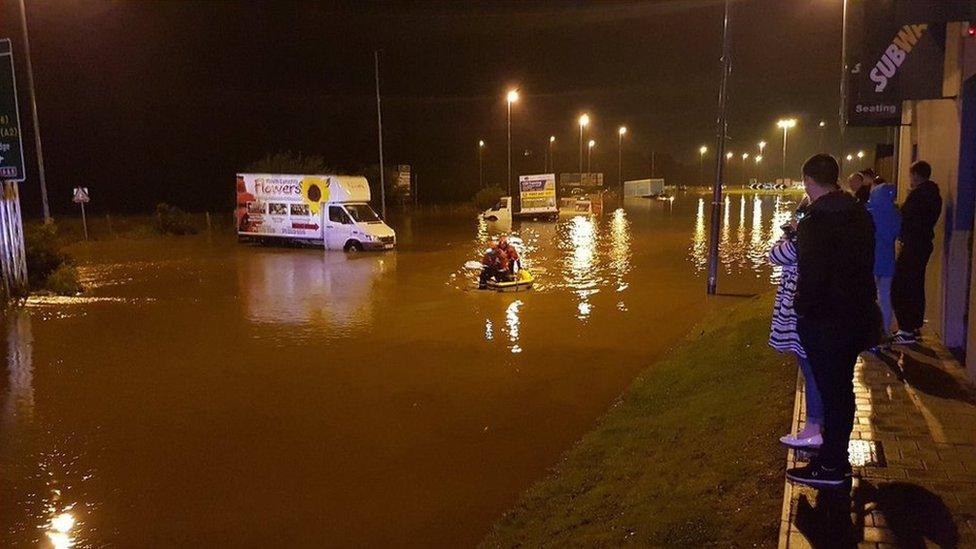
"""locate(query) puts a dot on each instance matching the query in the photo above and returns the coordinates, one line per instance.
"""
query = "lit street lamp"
(620, 139)
(589, 151)
(584, 121)
(822, 125)
(701, 163)
(762, 147)
(860, 154)
(786, 124)
(512, 97)
(481, 171)
(758, 158)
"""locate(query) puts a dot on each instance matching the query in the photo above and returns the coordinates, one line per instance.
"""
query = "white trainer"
(793, 441)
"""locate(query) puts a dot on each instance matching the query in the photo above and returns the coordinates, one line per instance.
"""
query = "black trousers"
(908, 285)
(832, 351)
(487, 273)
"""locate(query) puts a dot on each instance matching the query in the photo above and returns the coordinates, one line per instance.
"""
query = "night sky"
(164, 101)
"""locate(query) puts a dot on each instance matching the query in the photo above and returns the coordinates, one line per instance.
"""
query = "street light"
(481, 171)
(701, 163)
(620, 139)
(589, 151)
(512, 97)
(549, 158)
(860, 154)
(762, 147)
(850, 157)
(584, 121)
(822, 125)
(786, 124)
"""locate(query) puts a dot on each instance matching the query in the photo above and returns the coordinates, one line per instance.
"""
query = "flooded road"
(209, 393)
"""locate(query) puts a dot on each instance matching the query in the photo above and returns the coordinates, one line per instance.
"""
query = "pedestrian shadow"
(927, 378)
(912, 515)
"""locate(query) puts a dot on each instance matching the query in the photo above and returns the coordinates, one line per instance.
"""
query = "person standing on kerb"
(919, 215)
(837, 310)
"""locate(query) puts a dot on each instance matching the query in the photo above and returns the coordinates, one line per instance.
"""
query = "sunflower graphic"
(315, 190)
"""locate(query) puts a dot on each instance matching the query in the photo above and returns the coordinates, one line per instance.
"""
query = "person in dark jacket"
(837, 315)
(919, 215)
(860, 185)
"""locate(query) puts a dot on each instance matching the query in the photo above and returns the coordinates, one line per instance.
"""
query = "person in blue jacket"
(887, 227)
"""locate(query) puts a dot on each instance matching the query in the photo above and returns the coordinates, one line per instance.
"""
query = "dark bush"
(172, 220)
(43, 253)
(488, 197)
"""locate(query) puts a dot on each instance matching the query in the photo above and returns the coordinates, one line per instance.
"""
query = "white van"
(325, 210)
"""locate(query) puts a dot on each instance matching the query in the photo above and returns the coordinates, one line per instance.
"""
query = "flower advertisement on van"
(280, 205)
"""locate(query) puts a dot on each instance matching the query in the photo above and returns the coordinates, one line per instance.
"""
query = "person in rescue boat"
(495, 266)
(514, 263)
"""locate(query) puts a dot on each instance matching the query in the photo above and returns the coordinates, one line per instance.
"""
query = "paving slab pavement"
(913, 451)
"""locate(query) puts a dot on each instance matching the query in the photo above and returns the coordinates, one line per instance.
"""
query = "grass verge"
(687, 456)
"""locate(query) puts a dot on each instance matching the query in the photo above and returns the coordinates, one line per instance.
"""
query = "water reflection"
(754, 234)
(581, 275)
(302, 287)
(512, 321)
(49, 479)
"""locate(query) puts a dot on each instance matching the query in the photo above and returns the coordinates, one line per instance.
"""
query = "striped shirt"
(782, 333)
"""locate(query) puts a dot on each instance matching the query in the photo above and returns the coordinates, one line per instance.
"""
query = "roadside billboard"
(11, 147)
(537, 193)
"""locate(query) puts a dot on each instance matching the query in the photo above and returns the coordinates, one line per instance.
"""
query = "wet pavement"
(913, 453)
(209, 393)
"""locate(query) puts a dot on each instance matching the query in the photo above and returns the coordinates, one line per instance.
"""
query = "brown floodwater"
(207, 393)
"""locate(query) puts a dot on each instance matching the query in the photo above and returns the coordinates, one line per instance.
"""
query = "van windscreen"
(362, 213)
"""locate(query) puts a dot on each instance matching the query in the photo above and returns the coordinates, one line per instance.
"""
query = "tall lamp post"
(745, 156)
(481, 170)
(762, 147)
(589, 153)
(33, 102)
(584, 121)
(512, 97)
(701, 163)
(822, 125)
(620, 164)
(550, 161)
(758, 158)
(785, 124)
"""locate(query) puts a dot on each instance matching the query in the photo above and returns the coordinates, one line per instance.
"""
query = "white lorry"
(643, 188)
(325, 210)
(537, 198)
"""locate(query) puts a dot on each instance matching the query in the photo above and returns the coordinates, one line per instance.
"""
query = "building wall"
(932, 130)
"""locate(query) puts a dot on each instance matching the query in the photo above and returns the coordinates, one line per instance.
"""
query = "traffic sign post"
(81, 197)
(11, 147)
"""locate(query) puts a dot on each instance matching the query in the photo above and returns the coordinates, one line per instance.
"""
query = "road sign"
(80, 195)
(11, 147)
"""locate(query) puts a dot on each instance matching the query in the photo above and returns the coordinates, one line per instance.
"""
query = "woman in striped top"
(784, 338)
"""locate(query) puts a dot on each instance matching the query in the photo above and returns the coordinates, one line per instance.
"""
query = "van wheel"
(353, 246)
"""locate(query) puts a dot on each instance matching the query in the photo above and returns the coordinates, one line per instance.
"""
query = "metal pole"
(84, 222)
(785, 130)
(652, 164)
(379, 131)
(581, 155)
(842, 114)
(37, 125)
(701, 167)
(719, 154)
(509, 180)
(481, 171)
(620, 144)
(589, 153)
